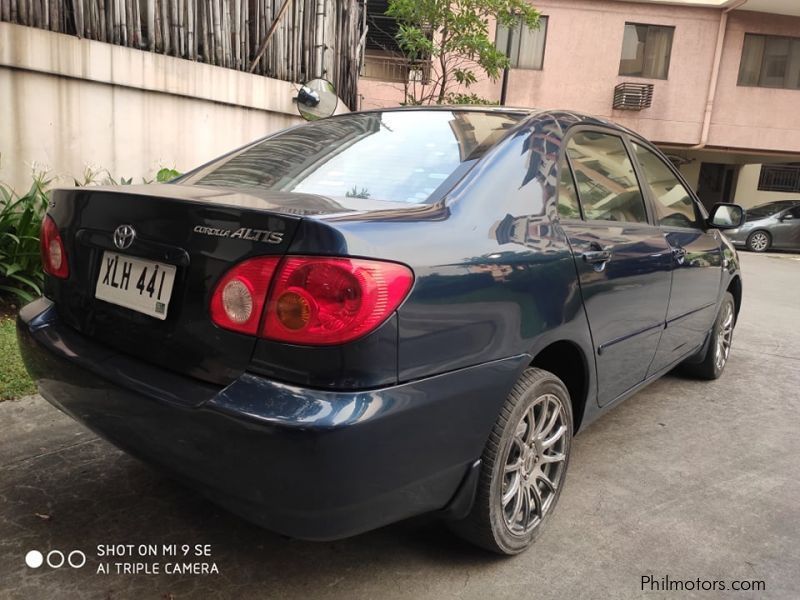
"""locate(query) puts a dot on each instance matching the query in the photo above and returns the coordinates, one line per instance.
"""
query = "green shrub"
(20, 220)
(166, 174)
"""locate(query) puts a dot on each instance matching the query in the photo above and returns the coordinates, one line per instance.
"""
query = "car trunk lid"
(195, 233)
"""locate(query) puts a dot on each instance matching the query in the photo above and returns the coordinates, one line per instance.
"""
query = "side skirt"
(641, 385)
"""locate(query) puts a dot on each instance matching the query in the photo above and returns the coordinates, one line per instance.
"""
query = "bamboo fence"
(313, 38)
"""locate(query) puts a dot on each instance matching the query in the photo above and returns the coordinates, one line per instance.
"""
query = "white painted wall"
(747, 192)
(66, 103)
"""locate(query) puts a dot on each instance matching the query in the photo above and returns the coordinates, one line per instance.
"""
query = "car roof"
(561, 119)
(771, 202)
(487, 108)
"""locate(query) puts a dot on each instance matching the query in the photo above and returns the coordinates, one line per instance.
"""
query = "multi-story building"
(716, 83)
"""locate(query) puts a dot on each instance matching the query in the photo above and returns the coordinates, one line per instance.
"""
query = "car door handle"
(597, 254)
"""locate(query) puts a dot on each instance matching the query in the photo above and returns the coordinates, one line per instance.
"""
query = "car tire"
(528, 451)
(759, 241)
(719, 346)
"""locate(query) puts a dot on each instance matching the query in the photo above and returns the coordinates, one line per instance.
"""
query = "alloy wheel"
(724, 337)
(759, 241)
(534, 464)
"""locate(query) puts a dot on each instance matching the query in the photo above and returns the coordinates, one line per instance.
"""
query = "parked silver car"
(772, 225)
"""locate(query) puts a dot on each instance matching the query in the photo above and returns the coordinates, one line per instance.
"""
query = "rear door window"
(604, 175)
(673, 202)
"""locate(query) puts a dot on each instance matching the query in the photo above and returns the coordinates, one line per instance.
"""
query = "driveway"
(687, 480)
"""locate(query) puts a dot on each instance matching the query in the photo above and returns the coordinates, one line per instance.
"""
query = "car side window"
(674, 204)
(795, 212)
(568, 207)
(607, 185)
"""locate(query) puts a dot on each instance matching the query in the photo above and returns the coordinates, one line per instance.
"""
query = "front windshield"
(396, 156)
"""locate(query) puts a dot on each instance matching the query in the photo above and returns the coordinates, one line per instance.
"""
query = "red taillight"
(54, 257)
(238, 300)
(324, 301)
(314, 301)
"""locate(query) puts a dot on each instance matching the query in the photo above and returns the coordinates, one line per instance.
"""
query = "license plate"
(135, 283)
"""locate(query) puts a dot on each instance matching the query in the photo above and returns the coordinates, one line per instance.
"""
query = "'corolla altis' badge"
(243, 233)
(124, 236)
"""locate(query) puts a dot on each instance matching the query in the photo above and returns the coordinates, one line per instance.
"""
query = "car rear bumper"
(305, 463)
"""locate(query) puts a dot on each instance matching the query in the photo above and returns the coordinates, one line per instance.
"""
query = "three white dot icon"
(55, 559)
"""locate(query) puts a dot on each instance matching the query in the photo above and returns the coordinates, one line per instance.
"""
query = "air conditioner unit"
(633, 96)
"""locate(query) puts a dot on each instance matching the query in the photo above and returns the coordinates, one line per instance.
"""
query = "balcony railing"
(395, 68)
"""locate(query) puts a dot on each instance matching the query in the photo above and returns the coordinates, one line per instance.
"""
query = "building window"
(381, 28)
(525, 49)
(646, 51)
(770, 61)
(383, 57)
(780, 178)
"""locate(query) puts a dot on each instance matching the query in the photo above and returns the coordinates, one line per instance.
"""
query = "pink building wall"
(754, 117)
(581, 65)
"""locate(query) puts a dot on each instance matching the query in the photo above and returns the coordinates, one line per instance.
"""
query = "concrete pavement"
(687, 480)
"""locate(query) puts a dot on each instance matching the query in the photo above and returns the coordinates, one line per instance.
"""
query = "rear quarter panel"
(494, 274)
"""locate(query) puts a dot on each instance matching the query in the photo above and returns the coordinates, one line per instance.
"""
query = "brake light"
(237, 302)
(54, 257)
(326, 301)
(313, 301)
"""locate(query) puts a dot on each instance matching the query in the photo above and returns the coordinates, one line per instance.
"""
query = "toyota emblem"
(124, 236)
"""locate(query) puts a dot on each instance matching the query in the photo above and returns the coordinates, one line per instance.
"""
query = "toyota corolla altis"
(383, 314)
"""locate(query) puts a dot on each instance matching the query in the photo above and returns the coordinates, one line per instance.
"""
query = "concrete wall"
(581, 66)
(66, 103)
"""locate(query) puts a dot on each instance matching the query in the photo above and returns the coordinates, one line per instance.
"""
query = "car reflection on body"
(775, 225)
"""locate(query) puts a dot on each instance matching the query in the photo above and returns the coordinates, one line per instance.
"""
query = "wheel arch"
(735, 289)
(566, 360)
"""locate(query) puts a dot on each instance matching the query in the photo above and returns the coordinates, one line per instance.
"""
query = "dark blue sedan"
(383, 314)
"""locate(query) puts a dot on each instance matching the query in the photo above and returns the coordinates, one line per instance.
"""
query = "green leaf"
(25, 280)
(19, 293)
(11, 269)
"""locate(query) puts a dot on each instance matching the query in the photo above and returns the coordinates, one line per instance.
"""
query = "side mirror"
(316, 99)
(726, 216)
(787, 217)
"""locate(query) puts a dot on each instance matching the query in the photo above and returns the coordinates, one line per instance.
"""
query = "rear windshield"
(397, 156)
